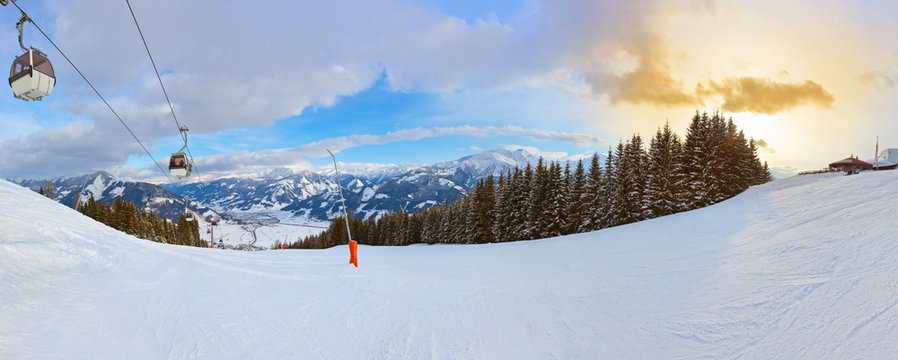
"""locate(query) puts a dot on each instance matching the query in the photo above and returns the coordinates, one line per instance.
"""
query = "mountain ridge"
(104, 187)
(369, 189)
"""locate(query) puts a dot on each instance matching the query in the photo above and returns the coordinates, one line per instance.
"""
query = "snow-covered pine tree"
(766, 176)
(519, 219)
(537, 201)
(637, 157)
(593, 200)
(663, 173)
(481, 216)
(575, 199)
(718, 162)
(503, 207)
(619, 188)
(604, 207)
(695, 159)
(555, 215)
(449, 222)
(416, 225)
(426, 227)
(756, 172)
(732, 182)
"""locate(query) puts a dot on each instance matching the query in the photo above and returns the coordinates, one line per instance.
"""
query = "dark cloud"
(764, 96)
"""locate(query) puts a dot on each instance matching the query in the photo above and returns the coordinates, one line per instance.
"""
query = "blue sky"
(272, 84)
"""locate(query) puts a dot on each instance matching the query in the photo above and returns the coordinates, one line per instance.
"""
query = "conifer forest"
(713, 163)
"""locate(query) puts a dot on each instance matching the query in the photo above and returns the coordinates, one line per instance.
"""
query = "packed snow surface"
(802, 268)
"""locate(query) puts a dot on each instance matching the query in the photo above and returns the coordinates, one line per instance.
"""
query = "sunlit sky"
(270, 84)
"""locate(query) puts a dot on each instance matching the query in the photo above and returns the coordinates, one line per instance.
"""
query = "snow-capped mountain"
(105, 188)
(418, 188)
(495, 163)
(370, 189)
(271, 192)
(355, 175)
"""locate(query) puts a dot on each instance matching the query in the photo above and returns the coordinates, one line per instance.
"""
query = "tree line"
(713, 163)
(125, 216)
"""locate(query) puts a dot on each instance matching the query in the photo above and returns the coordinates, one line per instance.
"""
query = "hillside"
(798, 268)
(105, 188)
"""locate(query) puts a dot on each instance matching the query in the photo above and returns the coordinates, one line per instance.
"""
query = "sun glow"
(758, 126)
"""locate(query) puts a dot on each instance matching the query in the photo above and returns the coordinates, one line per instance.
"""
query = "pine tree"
(538, 197)
(766, 176)
(503, 208)
(603, 203)
(663, 173)
(91, 208)
(620, 188)
(521, 204)
(757, 173)
(556, 219)
(481, 215)
(576, 198)
(637, 172)
(695, 159)
(593, 198)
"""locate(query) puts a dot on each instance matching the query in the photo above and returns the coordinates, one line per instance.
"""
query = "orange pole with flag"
(353, 246)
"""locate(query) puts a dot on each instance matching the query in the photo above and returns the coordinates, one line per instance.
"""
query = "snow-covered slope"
(801, 268)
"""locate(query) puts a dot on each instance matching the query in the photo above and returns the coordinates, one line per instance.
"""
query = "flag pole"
(353, 259)
(876, 155)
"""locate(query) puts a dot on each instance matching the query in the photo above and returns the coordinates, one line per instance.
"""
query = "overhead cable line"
(95, 91)
(170, 107)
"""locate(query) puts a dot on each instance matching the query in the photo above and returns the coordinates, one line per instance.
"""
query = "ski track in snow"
(803, 267)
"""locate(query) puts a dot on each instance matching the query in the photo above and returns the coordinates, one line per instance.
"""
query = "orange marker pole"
(353, 253)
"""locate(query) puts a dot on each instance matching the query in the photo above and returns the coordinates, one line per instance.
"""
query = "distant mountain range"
(370, 190)
(104, 187)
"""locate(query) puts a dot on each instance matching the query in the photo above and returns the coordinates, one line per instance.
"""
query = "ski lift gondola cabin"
(178, 165)
(31, 75)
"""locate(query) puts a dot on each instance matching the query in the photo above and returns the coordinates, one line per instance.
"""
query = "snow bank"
(800, 268)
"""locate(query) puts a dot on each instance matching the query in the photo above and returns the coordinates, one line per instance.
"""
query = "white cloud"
(232, 64)
(549, 155)
(295, 157)
(586, 156)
